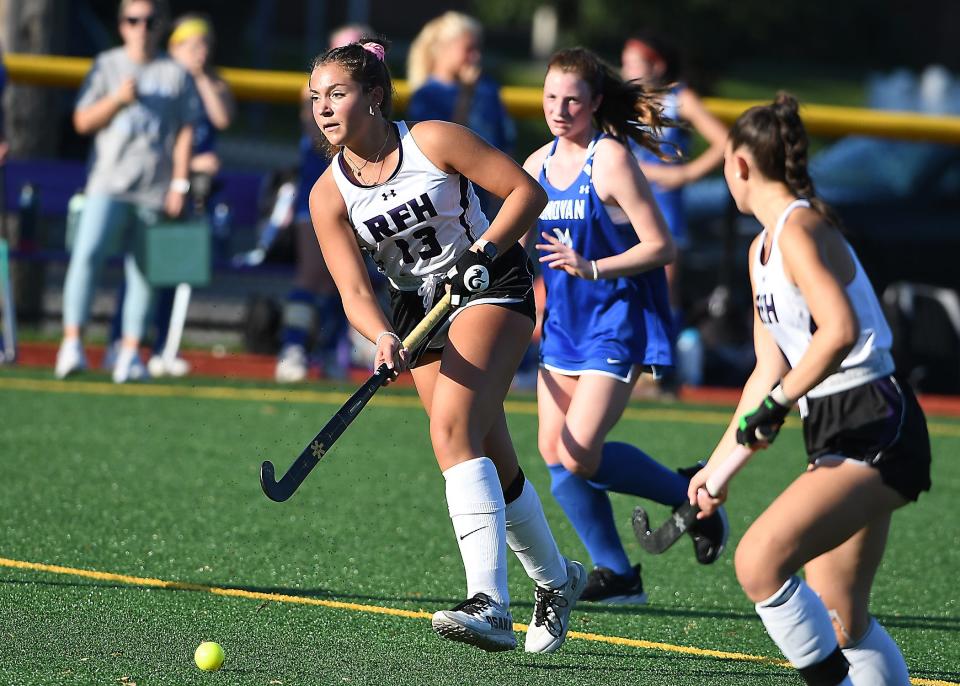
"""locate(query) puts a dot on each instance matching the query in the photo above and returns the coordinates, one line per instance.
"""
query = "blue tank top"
(626, 318)
(675, 141)
(204, 135)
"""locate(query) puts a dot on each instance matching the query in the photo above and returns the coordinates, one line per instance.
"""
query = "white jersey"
(785, 314)
(416, 223)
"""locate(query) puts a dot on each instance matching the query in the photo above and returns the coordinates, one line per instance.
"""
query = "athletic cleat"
(551, 611)
(70, 358)
(292, 364)
(129, 367)
(479, 621)
(709, 535)
(159, 366)
(603, 586)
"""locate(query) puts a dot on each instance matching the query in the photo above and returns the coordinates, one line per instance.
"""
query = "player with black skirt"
(404, 194)
(821, 341)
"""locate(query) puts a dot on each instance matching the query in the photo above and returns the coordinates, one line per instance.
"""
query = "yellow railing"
(284, 87)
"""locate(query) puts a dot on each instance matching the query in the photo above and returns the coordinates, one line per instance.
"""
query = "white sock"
(475, 503)
(875, 660)
(531, 540)
(800, 625)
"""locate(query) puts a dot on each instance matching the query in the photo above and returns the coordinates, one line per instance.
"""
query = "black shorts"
(511, 286)
(880, 423)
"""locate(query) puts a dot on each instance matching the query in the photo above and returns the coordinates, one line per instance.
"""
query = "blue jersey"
(675, 143)
(312, 165)
(606, 324)
(487, 117)
(204, 135)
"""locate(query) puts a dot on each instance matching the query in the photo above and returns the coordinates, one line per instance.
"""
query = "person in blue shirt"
(653, 62)
(445, 75)
(313, 315)
(603, 246)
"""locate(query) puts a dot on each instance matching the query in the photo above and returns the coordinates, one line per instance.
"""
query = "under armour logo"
(391, 194)
(584, 189)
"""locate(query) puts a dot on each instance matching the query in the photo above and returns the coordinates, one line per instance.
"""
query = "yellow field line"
(376, 609)
(279, 395)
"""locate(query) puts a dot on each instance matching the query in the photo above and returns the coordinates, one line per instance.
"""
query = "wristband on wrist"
(387, 333)
(596, 272)
(180, 185)
(779, 397)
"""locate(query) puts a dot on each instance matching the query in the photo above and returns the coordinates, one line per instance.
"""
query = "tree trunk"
(32, 26)
(32, 128)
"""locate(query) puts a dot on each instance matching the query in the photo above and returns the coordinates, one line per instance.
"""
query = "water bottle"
(690, 357)
(28, 207)
(221, 231)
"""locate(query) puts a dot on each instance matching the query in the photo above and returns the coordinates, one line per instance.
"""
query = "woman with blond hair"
(445, 75)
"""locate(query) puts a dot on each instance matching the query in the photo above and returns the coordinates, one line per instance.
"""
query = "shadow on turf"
(771, 675)
(948, 623)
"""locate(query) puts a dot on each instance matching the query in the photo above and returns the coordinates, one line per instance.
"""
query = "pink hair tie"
(375, 48)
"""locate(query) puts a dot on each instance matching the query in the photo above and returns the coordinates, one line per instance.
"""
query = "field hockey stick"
(657, 541)
(178, 320)
(323, 441)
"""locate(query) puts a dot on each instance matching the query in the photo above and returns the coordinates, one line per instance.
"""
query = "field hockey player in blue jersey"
(655, 62)
(603, 245)
(404, 194)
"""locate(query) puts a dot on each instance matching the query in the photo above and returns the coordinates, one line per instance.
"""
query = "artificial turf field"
(133, 528)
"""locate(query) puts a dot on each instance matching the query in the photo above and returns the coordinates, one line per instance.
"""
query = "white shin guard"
(530, 538)
(800, 625)
(875, 660)
(476, 506)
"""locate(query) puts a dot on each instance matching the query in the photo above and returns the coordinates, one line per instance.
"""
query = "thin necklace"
(359, 170)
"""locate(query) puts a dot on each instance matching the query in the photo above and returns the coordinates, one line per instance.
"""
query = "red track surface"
(261, 367)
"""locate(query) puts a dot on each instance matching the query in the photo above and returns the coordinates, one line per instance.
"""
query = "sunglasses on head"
(149, 21)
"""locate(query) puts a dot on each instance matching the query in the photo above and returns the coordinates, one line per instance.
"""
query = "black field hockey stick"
(323, 441)
(657, 541)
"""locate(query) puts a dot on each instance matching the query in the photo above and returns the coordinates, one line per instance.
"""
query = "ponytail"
(776, 136)
(627, 109)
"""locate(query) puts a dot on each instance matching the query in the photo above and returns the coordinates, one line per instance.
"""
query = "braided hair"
(628, 109)
(776, 136)
(364, 67)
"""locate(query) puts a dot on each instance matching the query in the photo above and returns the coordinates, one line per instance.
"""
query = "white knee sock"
(799, 624)
(530, 538)
(875, 660)
(475, 503)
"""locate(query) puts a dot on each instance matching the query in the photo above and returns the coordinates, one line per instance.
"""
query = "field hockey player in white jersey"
(404, 194)
(821, 340)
